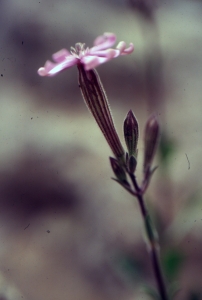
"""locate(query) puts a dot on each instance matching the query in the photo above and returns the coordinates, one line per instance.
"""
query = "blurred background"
(67, 231)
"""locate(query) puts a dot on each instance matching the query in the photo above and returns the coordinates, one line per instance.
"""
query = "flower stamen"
(79, 50)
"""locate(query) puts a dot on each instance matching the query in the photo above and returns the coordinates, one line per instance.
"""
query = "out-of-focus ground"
(67, 231)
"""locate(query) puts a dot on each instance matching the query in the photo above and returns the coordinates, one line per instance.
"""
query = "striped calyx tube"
(96, 100)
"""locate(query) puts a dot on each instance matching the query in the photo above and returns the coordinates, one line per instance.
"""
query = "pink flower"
(90, 58)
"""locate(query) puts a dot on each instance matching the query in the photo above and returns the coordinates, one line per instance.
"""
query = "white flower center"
(79, 50)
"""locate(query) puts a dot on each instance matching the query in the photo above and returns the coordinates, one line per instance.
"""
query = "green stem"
(153, 243)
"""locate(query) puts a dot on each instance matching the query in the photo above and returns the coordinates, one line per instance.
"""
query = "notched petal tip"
(122, 48)
(130, 49)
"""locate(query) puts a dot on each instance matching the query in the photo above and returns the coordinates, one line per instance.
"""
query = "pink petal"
(110, 53)
(90, 62)
(50, 69)
(69, 62)
(104, 41)
(60, 55)
(130, 49)
(123, 50)
(91, 58)
(42, 72)
(121, 46)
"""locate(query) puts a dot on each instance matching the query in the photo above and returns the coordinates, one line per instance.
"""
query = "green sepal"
(118, 169)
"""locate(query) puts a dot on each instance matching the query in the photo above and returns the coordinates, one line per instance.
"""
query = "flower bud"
(118, 170)
(132, 164)
(150, 143)
(131, 133)
(96, 100)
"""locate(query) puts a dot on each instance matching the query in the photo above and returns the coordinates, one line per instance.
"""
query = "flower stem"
(153, 242)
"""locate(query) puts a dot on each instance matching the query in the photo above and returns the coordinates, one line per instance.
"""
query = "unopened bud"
(131, 133)
(118, 170)
(132, 164)
(151, 140)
